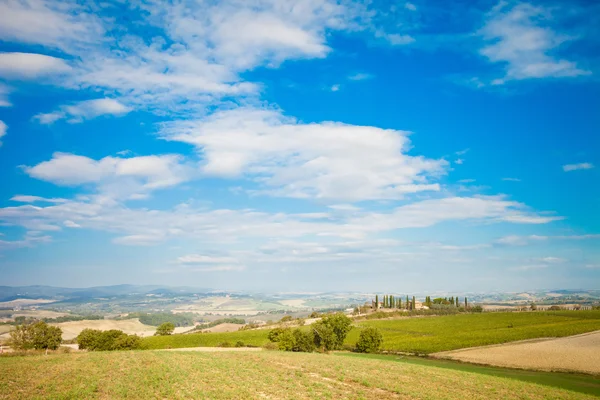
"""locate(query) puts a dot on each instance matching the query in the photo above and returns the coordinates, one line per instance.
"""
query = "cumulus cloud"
(575, 167)
(82, 110)
(116, 176)
(31, 66)
(325, 160)
(520, 38)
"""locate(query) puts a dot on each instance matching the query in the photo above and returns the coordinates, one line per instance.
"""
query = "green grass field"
(250, 337)
(274, 375)
(424, 335)
(433, 334)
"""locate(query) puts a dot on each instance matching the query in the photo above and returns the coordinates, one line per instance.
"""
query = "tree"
(370, 340)
(414, 304)
(331, 331)
(303, 341)
(377, 302)
(165, 329)
(407, 303)
(533, 307)
(466, 304)
(38, 335)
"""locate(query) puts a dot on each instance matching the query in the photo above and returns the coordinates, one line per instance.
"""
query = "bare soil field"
(579, 353)
(129, 326)
(24, 302)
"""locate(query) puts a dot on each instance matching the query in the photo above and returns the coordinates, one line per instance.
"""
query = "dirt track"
(580, 353)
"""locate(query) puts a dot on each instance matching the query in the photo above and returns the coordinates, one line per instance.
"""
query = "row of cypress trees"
(390, 301)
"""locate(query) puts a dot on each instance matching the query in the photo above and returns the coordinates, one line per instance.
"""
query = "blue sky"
(302, 145)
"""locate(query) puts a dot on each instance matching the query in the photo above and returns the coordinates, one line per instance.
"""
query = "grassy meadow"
(266, 374)
(424, 335)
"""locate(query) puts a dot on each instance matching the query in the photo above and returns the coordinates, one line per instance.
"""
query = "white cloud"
(34, 199)
(335, 88)
(4, 91)
(204, 259)
(410, 6)
(511, 179)
(59, 24)
(115, 176)
(466, 181)
(552, 260)
(395, 39)
(516, 240)
(530, 267)
(87, 109)
(430, 212)
(151, 226)
(575, 167)
(360, 76)
(519, 38)
(31, 66)
(325, 160)
(218, 268)
(459, 161)
(3, 129)
(71, 224)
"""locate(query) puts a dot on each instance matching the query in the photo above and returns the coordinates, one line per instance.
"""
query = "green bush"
(239, 343)
(370, 340)
(225, 344)
(287, 318)
(96, 340)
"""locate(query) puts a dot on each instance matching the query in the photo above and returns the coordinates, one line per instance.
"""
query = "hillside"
(274, 375)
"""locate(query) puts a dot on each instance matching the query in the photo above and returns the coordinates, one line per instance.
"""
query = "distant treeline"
(216, 322)
(156, 319)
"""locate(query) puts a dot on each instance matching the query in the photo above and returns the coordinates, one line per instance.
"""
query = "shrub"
(96, 340)
(239, 343)
(287, 318)
(270, 346)
(555, 308)
(225, 344)
(274, 334)
(370, 340)
(476, 309)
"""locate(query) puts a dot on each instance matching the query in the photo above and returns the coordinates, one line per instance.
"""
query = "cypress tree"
(376, 301)
(414, 304)
(466, 304)
(400, 302)
(407, 303)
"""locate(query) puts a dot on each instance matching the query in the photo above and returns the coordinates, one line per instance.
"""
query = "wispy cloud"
(521, 38)
(360, 76)
(76, 113)
(575, 167)
(3, 129)
(511, 179)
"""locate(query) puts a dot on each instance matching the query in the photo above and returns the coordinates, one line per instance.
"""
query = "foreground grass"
(179, 375)
(433, 334)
